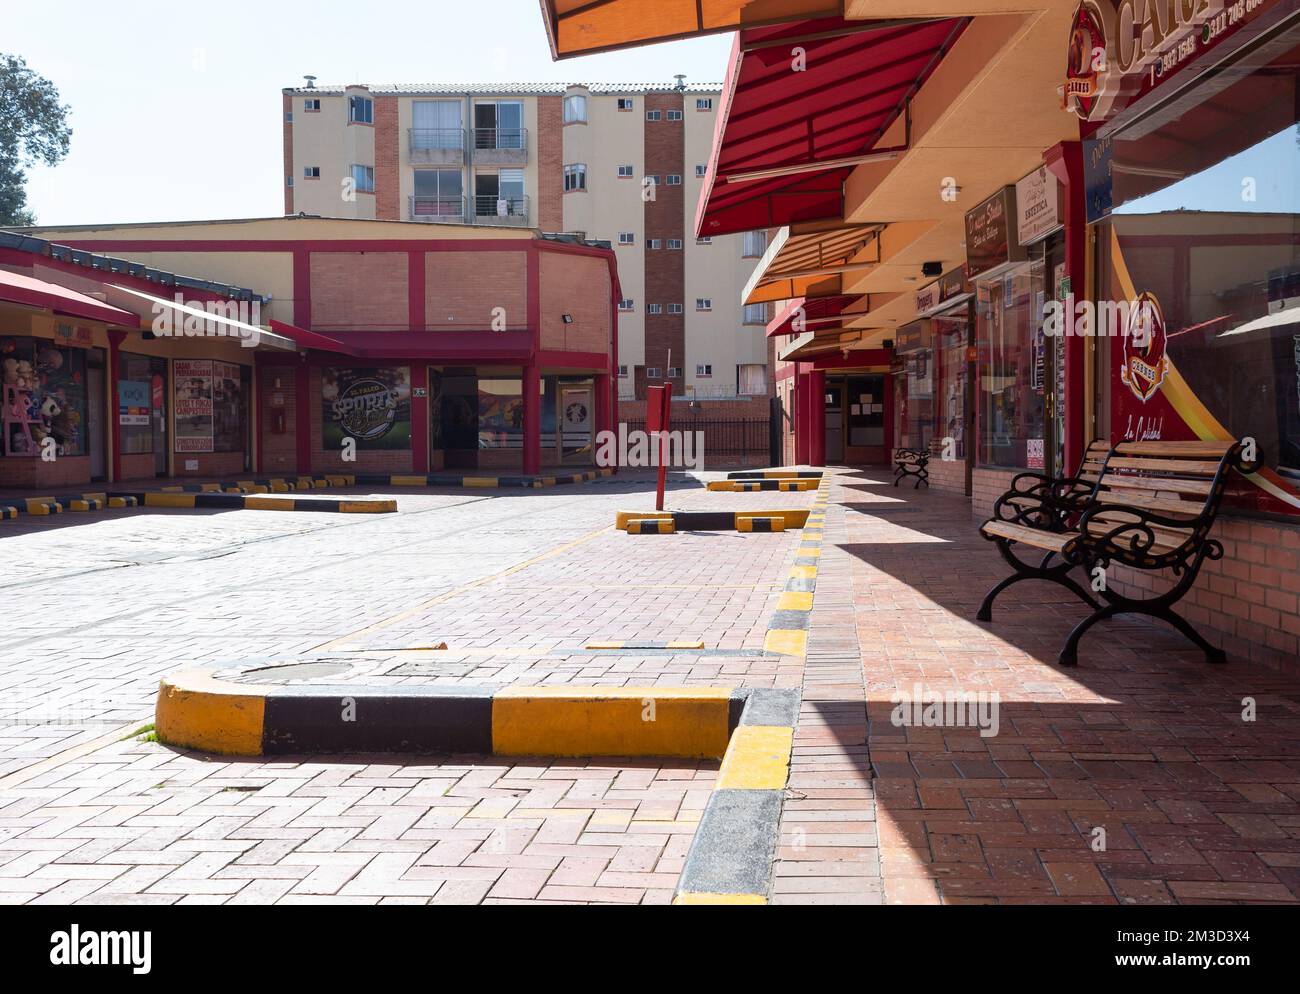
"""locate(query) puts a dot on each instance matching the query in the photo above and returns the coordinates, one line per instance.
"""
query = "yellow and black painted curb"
(7, 512)
(264, 502)
(759, 486)
(760, 523)
(775, 474)
(480, 482)
(732, 853)
(651, 526)
(710, 521)
(197, 709)
(44, 506)
(787, 629)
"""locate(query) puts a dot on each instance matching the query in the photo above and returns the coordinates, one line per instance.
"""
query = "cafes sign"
(1121, 49)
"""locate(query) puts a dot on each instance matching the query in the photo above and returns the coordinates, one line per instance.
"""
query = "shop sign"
(133, 402)
(1038, 206)
(77, 335)
(192, 380)
(952, 284)
(1098, 188)
(1120, 50)
(927, 298)
(371, 406)
(990, 240)
(1144, 342)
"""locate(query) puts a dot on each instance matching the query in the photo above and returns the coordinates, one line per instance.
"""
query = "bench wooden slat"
(1193, 449)
(1191, 508)
(1167, 539)
(1185, 467)
(1039, 539)
(1155, 484)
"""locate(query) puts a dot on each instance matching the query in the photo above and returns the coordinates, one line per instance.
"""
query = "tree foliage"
(33, 129)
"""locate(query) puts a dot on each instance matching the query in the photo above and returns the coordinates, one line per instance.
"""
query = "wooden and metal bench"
(1145, 505)
(912, 462)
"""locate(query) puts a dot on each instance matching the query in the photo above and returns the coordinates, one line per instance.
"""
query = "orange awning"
(581, 27)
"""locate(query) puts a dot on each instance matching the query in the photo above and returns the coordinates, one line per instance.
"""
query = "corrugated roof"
(498, 89)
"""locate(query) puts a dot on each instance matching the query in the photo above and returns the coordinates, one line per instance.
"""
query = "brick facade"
(388, 176)
(460, 291)
(550, 163)
(581, 288)
(359, 290)
(665, 218)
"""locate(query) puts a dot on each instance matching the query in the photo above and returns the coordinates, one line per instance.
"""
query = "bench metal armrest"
(1132, 542)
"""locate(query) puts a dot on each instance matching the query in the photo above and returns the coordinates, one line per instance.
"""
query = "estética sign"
(1038, 206)
(991, 243)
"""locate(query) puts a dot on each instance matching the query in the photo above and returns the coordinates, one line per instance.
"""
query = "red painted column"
(115, 339)
(419, 418)
(532, 386)
(817, 417)
(801, 433)
(302, 414)
(604, 403)
(1065, 161)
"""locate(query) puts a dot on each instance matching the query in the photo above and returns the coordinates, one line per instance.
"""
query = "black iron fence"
(726, 441)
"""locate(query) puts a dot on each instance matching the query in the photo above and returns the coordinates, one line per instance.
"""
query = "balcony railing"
(447, 210)
(490, 209)
(437, 146)
(506, 139)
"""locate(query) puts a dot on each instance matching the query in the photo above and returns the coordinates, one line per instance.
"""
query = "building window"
(755, 314)
(674, 179)
(675, 244)
(751, 379)
(675, 309)
(704, 103)
(705, 369)
(700, 171)
(288, 181)
(624, 172)
(674, 372)
(652, 115)
(361, 110)
(311, 106)
(627, 237)
(622, 371)
(575, 177)
(575, 109)
(755, 244)
(704, 303)
(624, 103)
(654, 308)
(311, 172)
(363, 179)
(652, 372)
(626, 304)
(654, 243)
(706, 240)
(674, 115)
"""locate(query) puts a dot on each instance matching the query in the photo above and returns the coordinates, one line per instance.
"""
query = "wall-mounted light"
(567, 318)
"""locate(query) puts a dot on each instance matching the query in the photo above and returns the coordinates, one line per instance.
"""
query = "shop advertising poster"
(193, 395)
(372, 406)
(133, 400)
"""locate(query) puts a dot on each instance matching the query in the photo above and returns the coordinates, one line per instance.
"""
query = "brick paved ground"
(1141, 740)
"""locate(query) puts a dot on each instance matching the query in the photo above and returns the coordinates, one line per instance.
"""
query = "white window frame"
(704, 303)
(703, 369)
(627, 237)
(751, 241)
(704, 103)
(654, 308)
(748, 315)
(365, 182)
(627, 304)
(575, 177)
(652, 372)
(674, 372)
(311, 172)
(626, 104)
(674, 115)
(674, 244)
(676, 309)
(704, 240)
(701, 170)
(653, 115)
(653, 243)
(311, 105)
(674, 179)
(575, 109)
(622, 372)
(626, 172)
(367, 105)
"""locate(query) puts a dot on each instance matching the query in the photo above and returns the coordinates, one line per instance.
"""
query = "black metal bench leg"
(1213, 654)
(985, 613)
(1070, 654)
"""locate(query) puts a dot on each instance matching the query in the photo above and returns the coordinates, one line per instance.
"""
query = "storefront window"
(951, 337)
(1206, 199)
(1012, 366)
(140, 402)
(500, 414)
(916, 403)
(44, 398)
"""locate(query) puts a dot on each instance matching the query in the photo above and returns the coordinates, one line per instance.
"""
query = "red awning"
(470, 347)
(820, 314)
(19, 289)
(855, 80)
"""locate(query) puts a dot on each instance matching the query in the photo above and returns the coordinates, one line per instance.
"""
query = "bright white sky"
(176, 103)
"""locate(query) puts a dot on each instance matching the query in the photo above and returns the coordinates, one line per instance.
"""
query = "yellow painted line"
(758, 758)
(408, 481)
(604, 645)
(196, 711)
(479, 481)
(441, 598)
(786, 641)
(803, 572)
(682, 722)
(795, 601)
(720, 899)
(811, 552)
(684, 645)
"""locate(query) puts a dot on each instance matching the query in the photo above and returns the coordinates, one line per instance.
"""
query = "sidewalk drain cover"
(298, 671)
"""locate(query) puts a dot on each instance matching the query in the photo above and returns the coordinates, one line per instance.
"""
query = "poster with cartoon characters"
(43, 403)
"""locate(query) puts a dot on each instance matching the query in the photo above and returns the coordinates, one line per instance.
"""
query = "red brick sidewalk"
(1132, 778)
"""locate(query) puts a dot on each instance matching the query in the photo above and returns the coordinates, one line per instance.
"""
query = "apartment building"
(624, 163)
